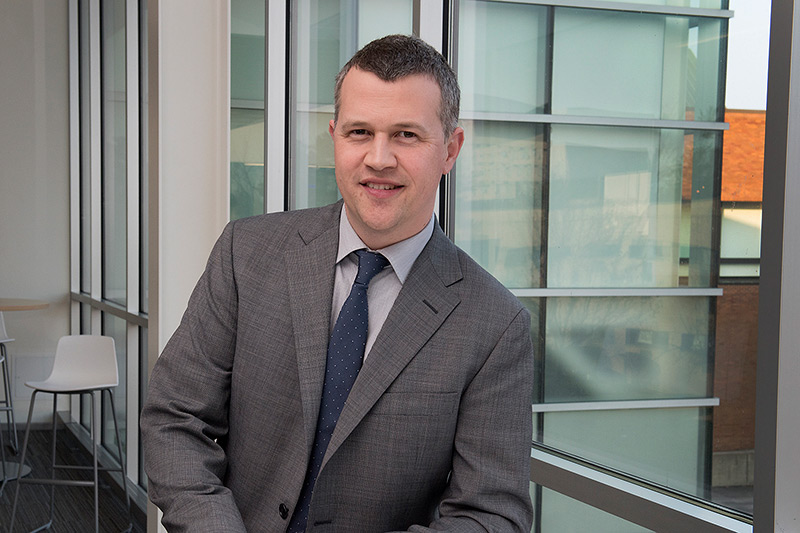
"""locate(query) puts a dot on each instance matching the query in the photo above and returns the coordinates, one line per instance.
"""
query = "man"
(241, 429)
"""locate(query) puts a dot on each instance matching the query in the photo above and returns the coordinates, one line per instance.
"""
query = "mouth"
(381, 186)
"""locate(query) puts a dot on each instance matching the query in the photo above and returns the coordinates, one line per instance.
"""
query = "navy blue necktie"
(345, 354)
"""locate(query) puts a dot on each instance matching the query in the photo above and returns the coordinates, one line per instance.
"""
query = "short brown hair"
(397, 56)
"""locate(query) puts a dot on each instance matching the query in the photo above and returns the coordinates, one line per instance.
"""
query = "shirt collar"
(401, 255)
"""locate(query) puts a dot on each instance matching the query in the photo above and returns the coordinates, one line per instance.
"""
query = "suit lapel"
(310, 270)
(423, 304)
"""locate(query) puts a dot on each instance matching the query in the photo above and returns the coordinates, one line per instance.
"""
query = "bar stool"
(84, 364)
(7, 403)
(4, 474)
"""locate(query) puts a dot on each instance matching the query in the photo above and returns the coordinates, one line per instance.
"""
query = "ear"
(331, 127)
(453, 146)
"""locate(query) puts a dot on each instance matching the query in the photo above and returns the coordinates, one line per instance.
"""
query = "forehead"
(363, 94)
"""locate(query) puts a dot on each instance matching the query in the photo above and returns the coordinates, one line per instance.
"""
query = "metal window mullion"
(587, 120)
(95, 165)
(131, 424)
(275, 108)
(428, 25)
(74, 163)
(616, 292)
(133, 237)
(647, 507)
(605, 5)
(622, 405)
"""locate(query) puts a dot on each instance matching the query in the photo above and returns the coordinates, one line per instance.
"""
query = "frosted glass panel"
(635, 65)
(603, 63)
(741, 233)
(562, 514)
(248, 18)
(114, 155)
(377, 18)
(498, 199)
(501, 65)
(617, 198)
(659, 445)
(626, 348)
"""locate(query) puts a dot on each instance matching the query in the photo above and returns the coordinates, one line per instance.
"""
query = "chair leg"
(53, 459)
(121, 461)
(13, 441)
(4, 479)
(95, 437)
(22, 462)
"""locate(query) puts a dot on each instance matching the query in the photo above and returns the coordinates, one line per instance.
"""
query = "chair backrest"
(86, 359)
(3, 334)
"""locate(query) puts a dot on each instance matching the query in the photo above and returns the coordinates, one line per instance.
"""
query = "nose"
(380, 154)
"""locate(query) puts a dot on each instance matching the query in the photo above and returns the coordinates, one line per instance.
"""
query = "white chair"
(84, 364)
(7, 403)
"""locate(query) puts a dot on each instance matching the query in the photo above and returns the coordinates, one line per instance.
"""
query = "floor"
(74, 509)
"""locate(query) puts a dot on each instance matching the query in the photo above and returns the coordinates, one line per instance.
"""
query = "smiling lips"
(381, 186)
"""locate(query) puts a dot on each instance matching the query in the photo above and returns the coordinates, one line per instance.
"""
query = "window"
(109, 206)
(591, 184)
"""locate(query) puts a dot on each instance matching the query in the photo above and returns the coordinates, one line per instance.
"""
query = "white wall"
(34, 183)
(189, 109)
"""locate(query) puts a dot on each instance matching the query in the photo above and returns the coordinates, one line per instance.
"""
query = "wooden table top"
(21, 304)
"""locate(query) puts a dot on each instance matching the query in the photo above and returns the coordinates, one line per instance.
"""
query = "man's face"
(390, 153)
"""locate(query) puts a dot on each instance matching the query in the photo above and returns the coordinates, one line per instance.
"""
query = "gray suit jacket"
(436, 431)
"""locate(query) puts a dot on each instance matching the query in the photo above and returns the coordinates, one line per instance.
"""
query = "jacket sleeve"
(489, 483)
(185, 416)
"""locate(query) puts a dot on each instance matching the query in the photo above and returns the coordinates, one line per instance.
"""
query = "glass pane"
(143, 384)
(626, 348)
(562, 514)
(616, 64)
(85, 158)
(740, 243)
(502, 61)
(498, 214)
(247, 162)
(666, 446)
(116, 328)
(248, 19)
(114, 146)
(327, 35)
(627, 205)
(144, 158)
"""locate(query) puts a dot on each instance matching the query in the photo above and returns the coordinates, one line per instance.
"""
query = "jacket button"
(283, 510)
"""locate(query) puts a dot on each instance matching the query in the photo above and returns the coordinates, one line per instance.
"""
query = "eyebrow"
(360, 124)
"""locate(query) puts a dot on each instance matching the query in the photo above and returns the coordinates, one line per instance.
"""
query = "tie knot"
(369, 264)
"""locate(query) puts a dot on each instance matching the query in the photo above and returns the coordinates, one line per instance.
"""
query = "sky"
(748, 51)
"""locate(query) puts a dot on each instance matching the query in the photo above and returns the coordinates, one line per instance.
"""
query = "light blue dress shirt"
(384, 287)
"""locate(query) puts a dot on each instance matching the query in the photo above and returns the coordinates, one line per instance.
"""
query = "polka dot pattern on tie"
(345, 354)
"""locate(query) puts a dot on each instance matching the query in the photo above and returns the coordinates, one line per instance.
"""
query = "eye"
(407, 135)
(358, 132)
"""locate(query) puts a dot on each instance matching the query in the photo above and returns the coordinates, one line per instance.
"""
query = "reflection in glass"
(85, 159)
(327, 34)
(664, 446)
(501, 66)
(618, 199)
(117, 328)
(740, 241)
(498, 210)
(247, 162)
(634, 65)
(114, 147)
(248, 20)
(626, 348)
(563, 514)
